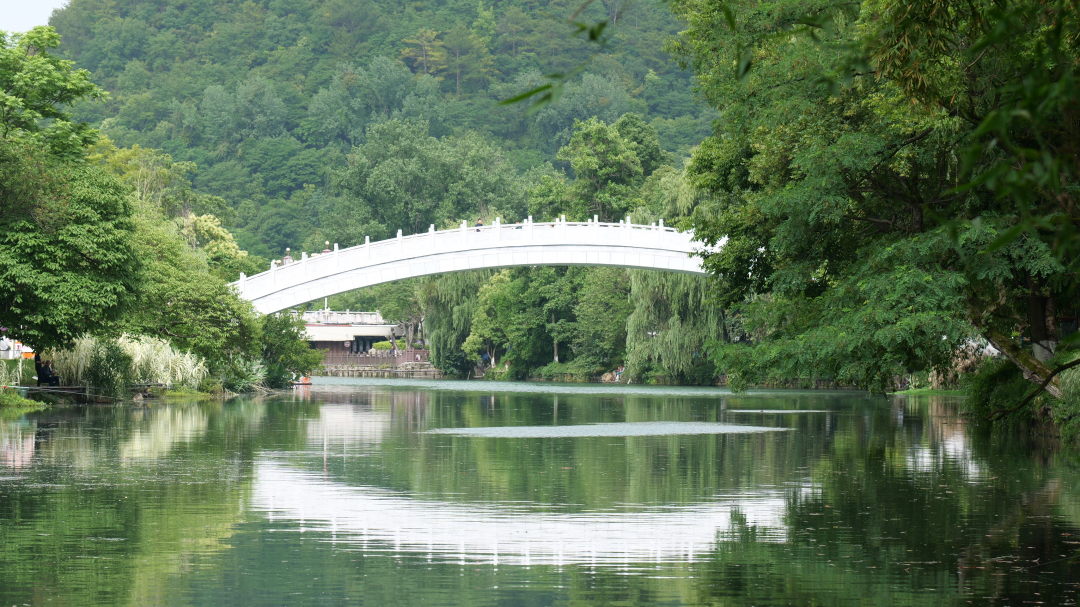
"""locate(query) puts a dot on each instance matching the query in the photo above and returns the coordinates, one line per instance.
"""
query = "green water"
(361, 492)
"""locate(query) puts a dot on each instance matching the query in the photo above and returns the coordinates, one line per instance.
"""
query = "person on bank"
(47, 375)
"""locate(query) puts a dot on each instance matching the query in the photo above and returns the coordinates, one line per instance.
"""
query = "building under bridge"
(347, 340)
(347, 332)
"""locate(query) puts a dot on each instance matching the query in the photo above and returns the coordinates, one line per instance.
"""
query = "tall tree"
(401, 178)
(606, 167)
(36, 88)
(425, 50)
(834, 175)
(467, 56)
(67, 265)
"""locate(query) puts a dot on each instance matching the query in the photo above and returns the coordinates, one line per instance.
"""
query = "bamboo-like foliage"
(153, 361)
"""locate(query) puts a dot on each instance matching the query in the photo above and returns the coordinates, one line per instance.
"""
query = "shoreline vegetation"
(929, 392)
(12, 403)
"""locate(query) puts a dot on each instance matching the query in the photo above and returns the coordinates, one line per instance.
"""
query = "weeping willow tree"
(449, 302)
(673, 319)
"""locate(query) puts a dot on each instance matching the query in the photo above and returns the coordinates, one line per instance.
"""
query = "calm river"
(378, 492)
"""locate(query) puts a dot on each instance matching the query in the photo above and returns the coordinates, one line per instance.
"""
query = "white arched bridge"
(558, 243)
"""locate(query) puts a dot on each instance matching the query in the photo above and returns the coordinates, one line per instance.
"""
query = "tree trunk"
(1041, 326)
(555, 339)
(1034, 370)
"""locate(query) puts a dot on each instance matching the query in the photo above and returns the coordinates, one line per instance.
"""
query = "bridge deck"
(469, 248)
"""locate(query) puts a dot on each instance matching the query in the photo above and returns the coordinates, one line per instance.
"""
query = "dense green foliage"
(285, 351)
(10, 400)
(36, 87)
(108, 371)
(66, 260)
(402, 177)
(292, 125)
(100, 240)
(876, 190)
(269, 98)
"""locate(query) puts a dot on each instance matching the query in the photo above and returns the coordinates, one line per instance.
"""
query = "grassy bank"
(11, 402)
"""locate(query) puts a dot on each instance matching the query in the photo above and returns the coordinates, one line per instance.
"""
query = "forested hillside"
(267, 98)
(292, 123)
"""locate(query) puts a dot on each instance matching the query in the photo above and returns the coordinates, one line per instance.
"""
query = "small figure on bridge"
(479, 224)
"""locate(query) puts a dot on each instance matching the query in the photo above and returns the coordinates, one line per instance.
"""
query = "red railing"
(376, 358)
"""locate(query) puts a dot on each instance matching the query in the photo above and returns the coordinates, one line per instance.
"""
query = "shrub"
(1066, 412)
(285, 350)
(9, 398)
(242, 374)
(997, 384)
(109, 371)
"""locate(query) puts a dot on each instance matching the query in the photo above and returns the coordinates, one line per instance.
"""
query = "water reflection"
(16, 444)
(342, 494)
(382, 521)
(160, 429)
(609, 429)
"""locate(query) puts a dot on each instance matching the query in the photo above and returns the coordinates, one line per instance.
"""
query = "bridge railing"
(463, 238)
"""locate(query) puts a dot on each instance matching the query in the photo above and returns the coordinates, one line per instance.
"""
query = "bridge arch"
(559, 243)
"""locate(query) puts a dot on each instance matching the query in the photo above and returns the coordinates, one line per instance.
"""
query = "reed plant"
(14, 371)
(71, 363)
(153, 361)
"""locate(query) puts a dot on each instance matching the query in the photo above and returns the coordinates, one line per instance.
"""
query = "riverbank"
(12, 403)
(930, 392)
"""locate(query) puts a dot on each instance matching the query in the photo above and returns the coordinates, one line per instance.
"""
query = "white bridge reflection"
(379, 521)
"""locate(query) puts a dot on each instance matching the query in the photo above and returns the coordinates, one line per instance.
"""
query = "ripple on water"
(618, 429)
